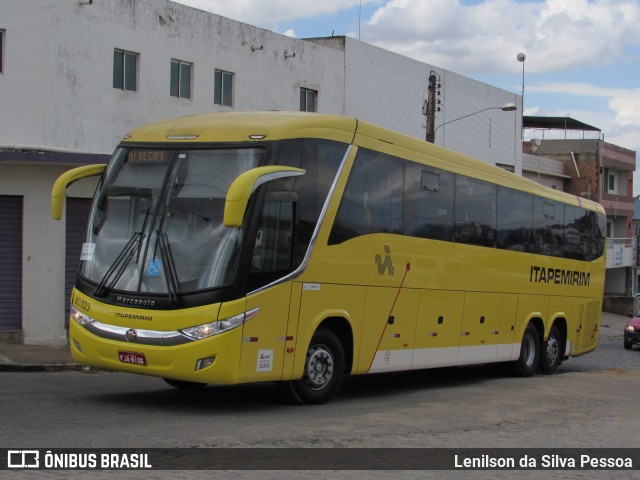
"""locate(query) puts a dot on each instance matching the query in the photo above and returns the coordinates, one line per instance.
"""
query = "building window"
(611, 181)
(1, 51)
(125, 70)
(223, 88)
(180, 79)
(308, 100)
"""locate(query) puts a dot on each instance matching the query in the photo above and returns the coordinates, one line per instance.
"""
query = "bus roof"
(278, 125)
(246, 126)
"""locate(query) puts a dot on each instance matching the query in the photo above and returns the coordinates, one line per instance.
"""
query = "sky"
(582, 56)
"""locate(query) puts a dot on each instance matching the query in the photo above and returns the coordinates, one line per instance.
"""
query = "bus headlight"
(80, 317)
(213, 328)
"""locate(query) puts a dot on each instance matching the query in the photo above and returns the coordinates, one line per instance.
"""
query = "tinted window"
(372, 200)
(515, 220)
(440, 205)
(428, 209)
(320, 159)
(548, 227)
(475, 214)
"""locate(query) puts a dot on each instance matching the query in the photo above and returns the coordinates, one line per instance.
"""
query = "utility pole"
(429, 108)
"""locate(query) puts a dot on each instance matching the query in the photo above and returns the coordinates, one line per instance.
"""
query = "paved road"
(588, 404)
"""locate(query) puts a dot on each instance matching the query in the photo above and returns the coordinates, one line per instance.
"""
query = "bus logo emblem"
(131, 335)
(387, 264)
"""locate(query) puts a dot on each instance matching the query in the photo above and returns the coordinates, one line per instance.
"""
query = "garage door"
(77, 214)
(10, 263)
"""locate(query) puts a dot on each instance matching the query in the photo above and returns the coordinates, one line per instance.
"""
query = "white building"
(74, 78)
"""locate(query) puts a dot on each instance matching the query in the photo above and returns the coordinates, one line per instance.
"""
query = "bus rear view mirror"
(66, 179)
(247, 183)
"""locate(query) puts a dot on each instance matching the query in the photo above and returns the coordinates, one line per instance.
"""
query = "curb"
(41, 368)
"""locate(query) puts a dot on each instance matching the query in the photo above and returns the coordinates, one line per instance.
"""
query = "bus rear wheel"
(323, 371)
(527, 363)
(551, 352)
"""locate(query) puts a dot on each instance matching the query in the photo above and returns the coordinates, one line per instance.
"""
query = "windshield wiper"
(118, 267)
(171, 275)
(121, 262)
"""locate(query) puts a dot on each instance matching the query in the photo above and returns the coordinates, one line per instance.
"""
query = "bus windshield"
(156, 225)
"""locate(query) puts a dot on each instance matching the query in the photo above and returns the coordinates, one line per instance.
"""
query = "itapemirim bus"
(299, 248)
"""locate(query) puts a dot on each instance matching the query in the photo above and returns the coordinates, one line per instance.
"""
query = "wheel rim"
(319, 368)
(553, 350)
(529, 350)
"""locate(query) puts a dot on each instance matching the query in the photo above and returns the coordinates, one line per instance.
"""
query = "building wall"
(389, 89)
(544, 170)
(43, 251)
(59, 67)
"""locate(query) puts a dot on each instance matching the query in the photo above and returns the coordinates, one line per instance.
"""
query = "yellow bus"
(299, 248)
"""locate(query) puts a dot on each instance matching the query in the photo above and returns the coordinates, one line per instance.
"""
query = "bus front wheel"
(527, 363)
(323, 371)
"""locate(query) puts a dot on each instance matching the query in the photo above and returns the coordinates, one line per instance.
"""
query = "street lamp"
(521, 58)
(507, 107)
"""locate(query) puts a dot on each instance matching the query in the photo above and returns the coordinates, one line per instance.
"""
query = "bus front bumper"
(212, 360)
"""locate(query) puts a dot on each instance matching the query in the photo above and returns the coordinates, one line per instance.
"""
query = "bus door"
(265, 335)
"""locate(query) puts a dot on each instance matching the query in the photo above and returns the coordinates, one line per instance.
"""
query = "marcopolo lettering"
(559, 276)
(142, 302)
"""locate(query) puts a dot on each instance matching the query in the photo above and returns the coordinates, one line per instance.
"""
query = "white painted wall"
(64, 91)
(389, 89)
(43, 252)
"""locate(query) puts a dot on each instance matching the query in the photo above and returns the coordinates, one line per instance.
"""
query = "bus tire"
(323, 371)
(183, 385)
(527, 363)
(551, 352)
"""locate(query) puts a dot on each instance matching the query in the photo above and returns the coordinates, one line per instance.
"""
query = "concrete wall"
(59, 68)
(543, 170)
(42, 253)
(389, 89)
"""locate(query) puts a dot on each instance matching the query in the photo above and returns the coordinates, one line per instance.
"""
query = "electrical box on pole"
(430, 110)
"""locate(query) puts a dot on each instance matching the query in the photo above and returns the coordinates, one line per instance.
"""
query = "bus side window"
(548, 227)
(515, 220)
(428, 202)
(475, 211)
(373, 198)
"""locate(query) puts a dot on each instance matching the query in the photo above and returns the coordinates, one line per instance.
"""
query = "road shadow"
(138, 396)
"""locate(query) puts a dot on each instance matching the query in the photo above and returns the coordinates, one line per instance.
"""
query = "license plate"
(132, 357)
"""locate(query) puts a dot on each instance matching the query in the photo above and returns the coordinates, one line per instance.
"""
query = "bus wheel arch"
(342, 329)
(552, 349)
(527, 362)
(324, 369)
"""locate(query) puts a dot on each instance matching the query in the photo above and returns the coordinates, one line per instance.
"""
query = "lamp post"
(521, 58)
(507, 107)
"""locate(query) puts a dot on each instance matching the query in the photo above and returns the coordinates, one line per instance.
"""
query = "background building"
(74, 78)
